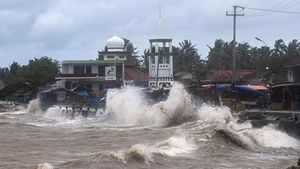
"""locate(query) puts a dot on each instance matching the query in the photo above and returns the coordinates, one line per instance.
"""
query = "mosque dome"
(115, 42)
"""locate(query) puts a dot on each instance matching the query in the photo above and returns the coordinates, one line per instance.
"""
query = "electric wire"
(276, 6)
(281, 9)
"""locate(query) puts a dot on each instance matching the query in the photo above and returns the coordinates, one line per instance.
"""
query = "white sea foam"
(44, 166)
(176, 146)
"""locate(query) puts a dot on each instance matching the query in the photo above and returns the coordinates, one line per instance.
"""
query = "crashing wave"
(128, 106)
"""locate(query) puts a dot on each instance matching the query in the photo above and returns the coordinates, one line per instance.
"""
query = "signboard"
(110, 73)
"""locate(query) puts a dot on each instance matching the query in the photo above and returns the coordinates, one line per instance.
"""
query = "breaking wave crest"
(174, 146)
(269, 136)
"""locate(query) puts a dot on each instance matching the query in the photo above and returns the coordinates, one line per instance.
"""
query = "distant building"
(160, 63)
(225, 76)
(111, 69)
(293, 68)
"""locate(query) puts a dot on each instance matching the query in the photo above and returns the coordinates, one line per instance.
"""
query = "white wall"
(71, 69)
(65, 69)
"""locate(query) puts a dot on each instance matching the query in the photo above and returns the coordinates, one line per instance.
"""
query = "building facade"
(160, 63)
(293, 68)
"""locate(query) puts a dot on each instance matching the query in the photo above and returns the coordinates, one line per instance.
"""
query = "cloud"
(75, 29)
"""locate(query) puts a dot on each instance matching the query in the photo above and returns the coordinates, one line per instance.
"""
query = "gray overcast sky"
(77, 29)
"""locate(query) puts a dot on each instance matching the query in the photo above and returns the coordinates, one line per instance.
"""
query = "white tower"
(160, 59)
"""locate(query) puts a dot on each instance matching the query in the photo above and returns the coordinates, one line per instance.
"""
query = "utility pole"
(234, 14)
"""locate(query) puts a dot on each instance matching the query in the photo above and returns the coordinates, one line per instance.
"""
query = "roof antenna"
(161, 27)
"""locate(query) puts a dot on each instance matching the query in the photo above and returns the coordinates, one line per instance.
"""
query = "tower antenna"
(161, 28)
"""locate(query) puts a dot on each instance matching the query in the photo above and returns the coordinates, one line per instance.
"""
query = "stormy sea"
(134, 132)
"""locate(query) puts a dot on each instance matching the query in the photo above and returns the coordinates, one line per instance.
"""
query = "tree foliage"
(132, 51)
(41, 71)
(37, 72)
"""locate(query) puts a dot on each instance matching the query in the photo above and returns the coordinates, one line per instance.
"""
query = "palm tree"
(189, 55)
(293, 49)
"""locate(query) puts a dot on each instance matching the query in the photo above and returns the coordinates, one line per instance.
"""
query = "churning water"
(134, 133)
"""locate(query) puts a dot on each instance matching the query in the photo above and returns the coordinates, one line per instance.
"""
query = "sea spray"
(211, 113)
(128, 106)
(33, 106)
(177, 109)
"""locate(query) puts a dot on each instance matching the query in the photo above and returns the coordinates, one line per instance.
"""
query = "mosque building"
(113, 68)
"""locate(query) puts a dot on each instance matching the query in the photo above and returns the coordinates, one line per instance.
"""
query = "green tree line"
(38, 72)
(187, 58)
(251, 57)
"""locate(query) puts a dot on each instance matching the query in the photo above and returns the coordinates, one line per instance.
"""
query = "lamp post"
(267, 58)
(261, 41)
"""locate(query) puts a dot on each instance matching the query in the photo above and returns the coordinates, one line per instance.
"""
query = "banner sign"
(110, 73)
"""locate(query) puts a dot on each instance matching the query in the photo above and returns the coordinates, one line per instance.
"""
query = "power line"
(283, 5)
(277, 6)
(271, 10)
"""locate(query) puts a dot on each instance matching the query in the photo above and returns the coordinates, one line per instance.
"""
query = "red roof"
(129, 62)
(258, 87)
(136, 74)
(226, 75)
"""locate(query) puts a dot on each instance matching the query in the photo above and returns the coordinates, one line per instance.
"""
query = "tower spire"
(161, 28)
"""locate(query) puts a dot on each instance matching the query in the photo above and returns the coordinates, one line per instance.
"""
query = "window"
(160, 59)
(121, 57)
(167, 59)
(88, 69)
(101, 70)
(110, 57)
(153, 59)
(78, 69)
